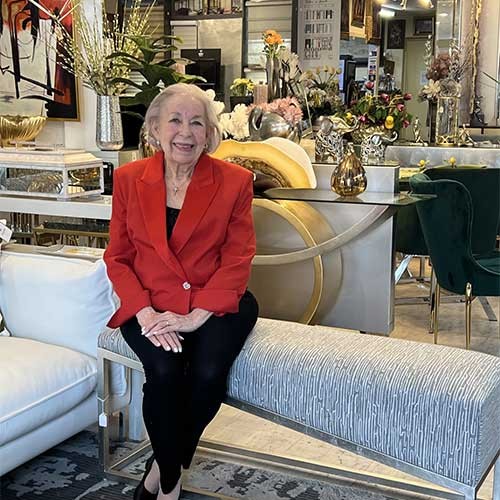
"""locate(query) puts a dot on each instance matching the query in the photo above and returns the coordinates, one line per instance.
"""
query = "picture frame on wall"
(396, 34)
(31, 78)
(344, 20)
(424, 26)
(358, 13)
(373, 23)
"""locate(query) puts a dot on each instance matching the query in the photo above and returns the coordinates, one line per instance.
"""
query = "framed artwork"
(424, 26)
(358, 13)
(30, 76)
(373, 22)
(344, 20)
(396, 34)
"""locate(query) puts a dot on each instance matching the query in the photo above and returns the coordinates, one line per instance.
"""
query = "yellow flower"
(348, 115)
(389, 122)
(422, 163)
(452, 161)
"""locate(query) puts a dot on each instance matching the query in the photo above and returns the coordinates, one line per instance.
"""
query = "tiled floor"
(411, 322)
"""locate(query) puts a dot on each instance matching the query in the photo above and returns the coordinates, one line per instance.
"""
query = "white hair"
(214, 135)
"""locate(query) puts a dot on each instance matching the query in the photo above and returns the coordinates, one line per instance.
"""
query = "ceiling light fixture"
(384, 12)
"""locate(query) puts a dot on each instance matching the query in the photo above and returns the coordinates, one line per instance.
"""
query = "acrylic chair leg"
(496, 480)
(468, 314)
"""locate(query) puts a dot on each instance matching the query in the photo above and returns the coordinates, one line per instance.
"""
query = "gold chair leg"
(468, 314)
(435, 297)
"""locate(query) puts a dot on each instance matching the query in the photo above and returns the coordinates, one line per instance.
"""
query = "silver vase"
(273, 78)
(109, 130)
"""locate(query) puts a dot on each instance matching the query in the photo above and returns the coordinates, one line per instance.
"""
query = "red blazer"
(206, 263)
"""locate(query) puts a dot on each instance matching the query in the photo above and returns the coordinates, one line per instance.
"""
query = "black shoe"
(141, 493)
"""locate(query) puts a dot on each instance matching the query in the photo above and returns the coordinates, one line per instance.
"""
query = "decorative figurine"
(329, 138)
(373, 148)
(417, 137)
(477, 115)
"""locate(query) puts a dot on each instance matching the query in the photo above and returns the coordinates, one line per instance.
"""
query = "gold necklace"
(177, 187)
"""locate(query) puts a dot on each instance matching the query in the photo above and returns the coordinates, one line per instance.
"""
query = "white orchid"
(217, 105)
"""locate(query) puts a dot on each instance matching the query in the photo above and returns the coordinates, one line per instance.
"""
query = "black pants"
(184, 391)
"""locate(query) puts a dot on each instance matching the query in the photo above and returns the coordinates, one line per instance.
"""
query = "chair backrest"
(483, 185)
(447, 224)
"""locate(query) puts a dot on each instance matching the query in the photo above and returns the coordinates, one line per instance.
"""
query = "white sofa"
(54, 308)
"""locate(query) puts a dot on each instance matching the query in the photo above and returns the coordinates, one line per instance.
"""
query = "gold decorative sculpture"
(19, 128)
(349, 177)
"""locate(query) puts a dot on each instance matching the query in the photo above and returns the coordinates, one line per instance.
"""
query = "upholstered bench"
(432, 411)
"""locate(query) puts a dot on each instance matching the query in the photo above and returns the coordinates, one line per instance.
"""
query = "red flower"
(369, 85)
(385, 97)
(362, 118)
(407, 97)
(400, 107)
(406, 123)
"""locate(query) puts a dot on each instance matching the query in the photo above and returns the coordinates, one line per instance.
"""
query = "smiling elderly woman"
(182, 242)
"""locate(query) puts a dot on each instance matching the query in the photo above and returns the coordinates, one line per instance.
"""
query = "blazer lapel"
(152, 200)
(199, 195)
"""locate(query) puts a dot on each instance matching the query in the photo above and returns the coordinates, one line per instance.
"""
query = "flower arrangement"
(86, 55)
(320, 91)
(384, 110)
(287, 107)
(241, 87)
(445, 71)
(273, 43)
(235, 124)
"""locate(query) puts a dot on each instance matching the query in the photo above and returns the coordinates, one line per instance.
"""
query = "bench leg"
(103, 377)
(496, 480)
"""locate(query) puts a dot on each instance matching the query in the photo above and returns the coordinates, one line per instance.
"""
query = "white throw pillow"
(57, 300)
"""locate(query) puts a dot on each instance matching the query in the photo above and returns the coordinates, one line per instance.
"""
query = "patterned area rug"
(70, 471)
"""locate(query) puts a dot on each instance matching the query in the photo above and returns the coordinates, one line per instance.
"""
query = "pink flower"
(406, 123)
(407, 97)
(362, 118)
(385, 97)
(369, 85)
(400, 107)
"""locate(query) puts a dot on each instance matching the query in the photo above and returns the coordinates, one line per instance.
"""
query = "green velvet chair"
(446, 223)
(483, 185)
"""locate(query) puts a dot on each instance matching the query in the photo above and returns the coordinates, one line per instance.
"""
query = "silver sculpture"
(464, 138)
(264, 124)
(329, 139)
(373, 148)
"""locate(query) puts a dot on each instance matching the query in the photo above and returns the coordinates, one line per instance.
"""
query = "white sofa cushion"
(69, 300)
(33, 393)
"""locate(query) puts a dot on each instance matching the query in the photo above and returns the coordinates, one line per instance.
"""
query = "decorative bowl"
(19, 128)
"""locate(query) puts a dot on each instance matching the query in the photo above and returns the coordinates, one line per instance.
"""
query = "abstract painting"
(30, 76)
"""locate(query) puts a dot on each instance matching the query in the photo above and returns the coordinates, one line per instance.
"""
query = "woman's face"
(182, 130)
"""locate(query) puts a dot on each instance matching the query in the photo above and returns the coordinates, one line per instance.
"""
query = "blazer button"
(186, 285)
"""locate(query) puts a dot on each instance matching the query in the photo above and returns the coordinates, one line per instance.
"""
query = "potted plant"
(241, 92)
(382, 113)
(156, 74)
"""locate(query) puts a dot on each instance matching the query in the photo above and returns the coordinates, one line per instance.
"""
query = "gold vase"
(19, 128)
(349, 177)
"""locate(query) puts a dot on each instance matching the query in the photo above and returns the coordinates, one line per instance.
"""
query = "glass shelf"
(328, 196)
